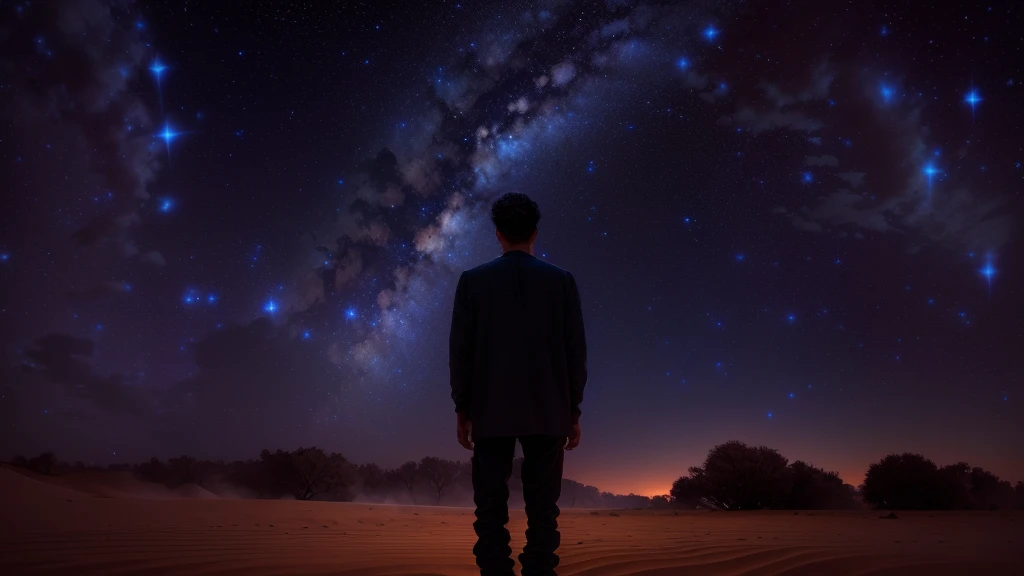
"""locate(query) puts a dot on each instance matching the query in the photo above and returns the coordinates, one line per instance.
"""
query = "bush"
(912, 482)
(740, 477)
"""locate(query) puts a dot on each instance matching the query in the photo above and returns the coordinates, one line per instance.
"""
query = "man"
(518, 363)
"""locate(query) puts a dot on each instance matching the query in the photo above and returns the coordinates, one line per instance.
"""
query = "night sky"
(234, 226)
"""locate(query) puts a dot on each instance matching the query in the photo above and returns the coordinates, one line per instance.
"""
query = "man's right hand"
(574, 437)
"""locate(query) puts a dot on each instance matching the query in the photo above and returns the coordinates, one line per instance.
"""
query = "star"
(709, 33)
(972, 98)
(930, 171)
(270, 307)
(886, 92)
(988, 271)
(167, 134)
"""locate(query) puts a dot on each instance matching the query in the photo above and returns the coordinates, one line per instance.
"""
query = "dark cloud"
(256, 386)
(64, 360)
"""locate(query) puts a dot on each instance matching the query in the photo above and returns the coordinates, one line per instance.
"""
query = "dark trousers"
(542, 484)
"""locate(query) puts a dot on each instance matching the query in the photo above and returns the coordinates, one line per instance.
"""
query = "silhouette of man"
(518, 363)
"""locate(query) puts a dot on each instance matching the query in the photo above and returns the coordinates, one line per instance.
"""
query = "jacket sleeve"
(460, 348)
(575, 349)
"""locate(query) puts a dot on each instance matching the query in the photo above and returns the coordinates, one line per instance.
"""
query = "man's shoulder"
(495, 265)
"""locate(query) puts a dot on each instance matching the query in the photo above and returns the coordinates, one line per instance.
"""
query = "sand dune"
(53, 529)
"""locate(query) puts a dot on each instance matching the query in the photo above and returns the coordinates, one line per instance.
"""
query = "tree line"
(734, 476)
(313, 474)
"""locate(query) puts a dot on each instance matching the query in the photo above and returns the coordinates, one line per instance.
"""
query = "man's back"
(517, 349)
(517, 358)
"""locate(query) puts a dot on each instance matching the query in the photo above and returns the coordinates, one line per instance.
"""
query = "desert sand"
(87, 526)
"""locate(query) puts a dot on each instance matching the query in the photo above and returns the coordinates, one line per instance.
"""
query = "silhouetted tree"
(184, 470)
(953, 487)
(406, 476)
(371, 477)
(249, 474)
(440, 474)
(20, 460)
(1019, 493)
(741, 477)
(45, 463)
(815, 489)
(689, 491)
(903, 482)
(660, 502)
(305, 472)
(988, 492)
(152, 471)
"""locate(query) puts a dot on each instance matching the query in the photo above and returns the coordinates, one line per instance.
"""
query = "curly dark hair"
(516, 216)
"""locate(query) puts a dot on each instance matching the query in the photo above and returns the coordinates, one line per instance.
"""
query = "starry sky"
(228, 227)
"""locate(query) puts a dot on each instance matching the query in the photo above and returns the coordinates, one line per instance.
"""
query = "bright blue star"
(270, 307)
(211, 298)
(682, 63)
(972, 98)
(885, 31)
(167, 134)
(4, 256)
(807, 177)
(166, 205)
(988, 271)
(791, 318)
(710, 33)
(769, 415)
(930, 171)
(306, 335)
(190, 297)
(350, 313)
(591, 166)
(791, 395)
(740, 257)
(157, 68)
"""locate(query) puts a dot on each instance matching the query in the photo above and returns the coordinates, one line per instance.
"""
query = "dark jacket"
(517, 352)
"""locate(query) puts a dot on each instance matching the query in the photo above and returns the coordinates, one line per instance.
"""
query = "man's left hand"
(464, 430)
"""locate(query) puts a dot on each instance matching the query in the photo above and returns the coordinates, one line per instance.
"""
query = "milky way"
(235, 230)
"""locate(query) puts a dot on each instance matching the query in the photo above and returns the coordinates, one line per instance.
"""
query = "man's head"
(515, 218)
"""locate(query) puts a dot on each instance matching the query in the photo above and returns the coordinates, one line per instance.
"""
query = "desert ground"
(77, 526)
